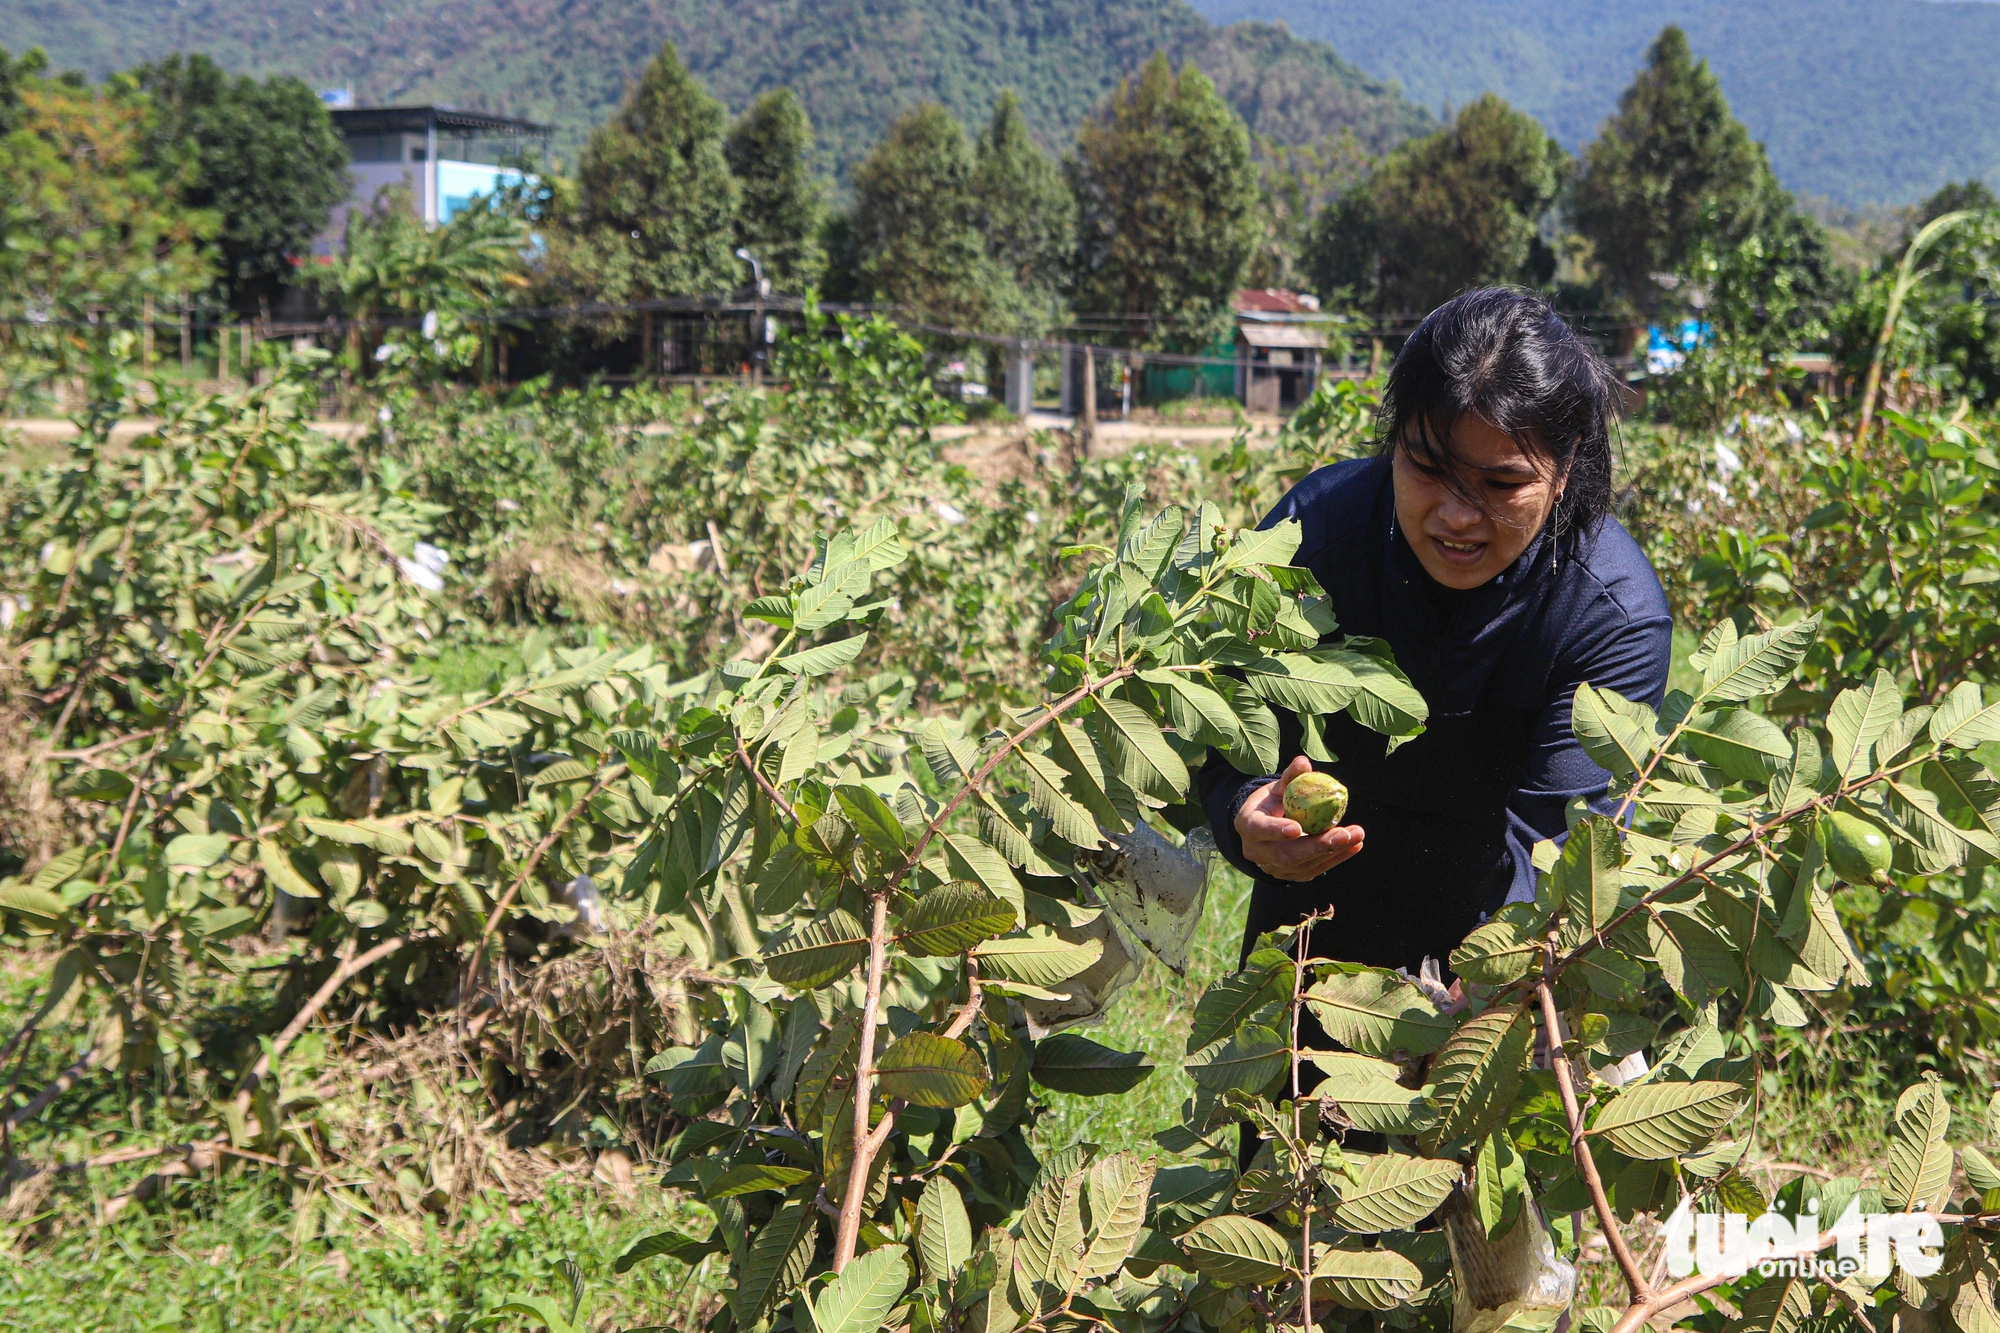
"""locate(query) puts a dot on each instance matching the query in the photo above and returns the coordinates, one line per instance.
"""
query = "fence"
(701, 340)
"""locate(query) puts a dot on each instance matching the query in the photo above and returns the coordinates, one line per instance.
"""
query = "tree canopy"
(1025, 211)
(915, 228)
(1166, 203)
(655, 207)
(1457, 209)
(783, 204)
(263, 156)
(1670, 165)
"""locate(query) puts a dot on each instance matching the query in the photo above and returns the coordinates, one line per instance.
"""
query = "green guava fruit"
(1858, 849)
(1316, 801)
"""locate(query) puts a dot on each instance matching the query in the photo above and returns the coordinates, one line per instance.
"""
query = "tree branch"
(1635, 1281)
(777, 798)
(611, 775)
(852, 1198)
(1007, 747)
(347, 969)
(60, 1084)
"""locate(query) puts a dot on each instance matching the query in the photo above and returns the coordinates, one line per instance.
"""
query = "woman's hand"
(1274, 842)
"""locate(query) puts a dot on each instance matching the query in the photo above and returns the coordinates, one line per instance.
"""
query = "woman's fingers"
(1300, 858)
(1276, 844)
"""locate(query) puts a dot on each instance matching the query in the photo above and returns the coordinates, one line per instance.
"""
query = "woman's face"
(1463, 541)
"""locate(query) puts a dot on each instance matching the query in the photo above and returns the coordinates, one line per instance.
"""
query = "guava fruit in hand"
(1858, 849)
(1316, 801)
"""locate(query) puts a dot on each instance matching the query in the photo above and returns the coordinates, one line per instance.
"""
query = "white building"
(444, 157)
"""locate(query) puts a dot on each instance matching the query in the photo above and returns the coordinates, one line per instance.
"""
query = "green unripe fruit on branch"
(1316, 801)
(1858, 849)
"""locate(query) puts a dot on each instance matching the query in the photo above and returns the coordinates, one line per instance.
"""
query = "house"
(443, 156)
(1280, 341)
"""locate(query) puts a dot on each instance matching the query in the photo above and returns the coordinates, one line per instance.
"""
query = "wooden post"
(222, 353)
(1087, 434)
(146, 337)
(500, 353)
(649, 367)
(249, 362)
(187, 339)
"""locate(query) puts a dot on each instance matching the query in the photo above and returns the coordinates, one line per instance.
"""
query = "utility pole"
(1087, 431)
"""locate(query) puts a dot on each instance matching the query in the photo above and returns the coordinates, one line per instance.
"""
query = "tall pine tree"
(915, 230)
(1026, 215)
(1670, 165)
(783, 206)
(1166, 199)
(655, 212)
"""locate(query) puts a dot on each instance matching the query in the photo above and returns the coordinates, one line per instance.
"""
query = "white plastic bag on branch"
(1153, 893)
(1517, 1282)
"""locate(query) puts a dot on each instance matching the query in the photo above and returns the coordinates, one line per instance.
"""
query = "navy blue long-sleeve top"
(1451, 817)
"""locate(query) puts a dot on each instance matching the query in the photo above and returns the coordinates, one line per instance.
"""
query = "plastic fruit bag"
(1517, 1282)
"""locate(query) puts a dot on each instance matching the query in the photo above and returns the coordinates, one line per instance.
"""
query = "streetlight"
(758, 333)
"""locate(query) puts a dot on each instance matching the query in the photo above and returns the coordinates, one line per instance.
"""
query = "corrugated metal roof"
(1282, 335)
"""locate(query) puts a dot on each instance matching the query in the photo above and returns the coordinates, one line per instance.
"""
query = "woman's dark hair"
(1503, 355)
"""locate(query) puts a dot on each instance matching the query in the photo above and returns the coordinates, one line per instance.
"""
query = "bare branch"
(854, 1196)
(1586, 1164)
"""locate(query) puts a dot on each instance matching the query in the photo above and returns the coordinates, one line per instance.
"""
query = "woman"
(1477, 544)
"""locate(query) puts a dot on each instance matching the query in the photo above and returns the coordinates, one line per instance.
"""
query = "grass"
(1154, 1016)
(228, 1255)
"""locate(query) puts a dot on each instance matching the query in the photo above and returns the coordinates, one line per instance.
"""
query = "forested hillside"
(1863, 101)
(854, 64)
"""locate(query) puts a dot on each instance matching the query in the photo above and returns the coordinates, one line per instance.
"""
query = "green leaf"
(1746, 746)
(926, 1069)
(943, 1231)
(823, 660)
(1859, 718)
(1384, 700)
(1964, 719)
(1275, 545)
(754, 1178)
(197, 851)
(1919, 1162)
(1758, 665)
(563, 770)
(1376, 1012)
(1238, 1251)
(1505, 949)
(1227, 1004)
(1115, 1196)
(827, 602)
(951, 918)
(1365, 1279)
(381, 836)
(860, 1296)
(775, 1264)
(1144, 760)
(1477, 1073)
(823, 949)
(1778, 1305)
(1075, 1064)
(771, 610)
(1367, 1092)
(1694, 958)
(1072, 821)
(1048, 1254)
(1390, 1192)
(1249, 1061)
(1037, 956)
(670, 1243)
(1500, 1181)
(37, 907)
(1615, 732)
(1654, 1121)
(692, 1071)
(872, 818)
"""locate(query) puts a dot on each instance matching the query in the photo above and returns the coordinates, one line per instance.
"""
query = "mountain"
(855, 63)
(1862, 101)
